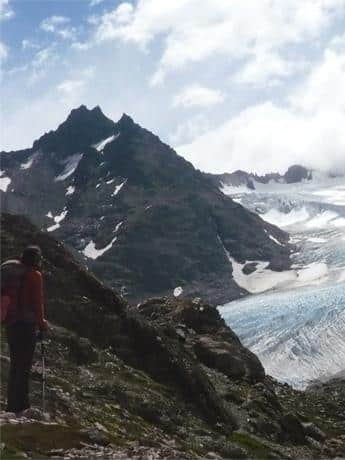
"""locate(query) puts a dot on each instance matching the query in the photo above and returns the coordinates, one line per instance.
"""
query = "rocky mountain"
(295, 174)
(137, 214)
(165, 380)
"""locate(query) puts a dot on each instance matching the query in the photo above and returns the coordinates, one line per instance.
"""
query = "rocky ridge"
(165, 379)
(294, 174)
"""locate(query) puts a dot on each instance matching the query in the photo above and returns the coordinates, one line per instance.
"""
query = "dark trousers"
(21, 338)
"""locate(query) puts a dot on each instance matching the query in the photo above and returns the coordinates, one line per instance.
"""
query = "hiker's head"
(32, 256)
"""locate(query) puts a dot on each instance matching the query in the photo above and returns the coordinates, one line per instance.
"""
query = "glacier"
(297, 328)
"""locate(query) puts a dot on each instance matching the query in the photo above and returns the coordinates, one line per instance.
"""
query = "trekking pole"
(43, 375)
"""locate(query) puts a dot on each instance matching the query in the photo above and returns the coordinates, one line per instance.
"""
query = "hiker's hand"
(44, 327)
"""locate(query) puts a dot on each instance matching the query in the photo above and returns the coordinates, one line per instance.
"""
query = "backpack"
(12, 279)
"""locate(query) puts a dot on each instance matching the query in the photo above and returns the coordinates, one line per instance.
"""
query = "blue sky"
(250, 84)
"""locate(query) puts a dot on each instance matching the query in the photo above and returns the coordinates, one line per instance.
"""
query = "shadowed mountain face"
(137, 214)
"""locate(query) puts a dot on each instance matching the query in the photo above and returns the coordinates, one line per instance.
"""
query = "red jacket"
(29, 300)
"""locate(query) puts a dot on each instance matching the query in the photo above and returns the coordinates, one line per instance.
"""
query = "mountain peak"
(126, 120)
(83, 113)
(82, 128)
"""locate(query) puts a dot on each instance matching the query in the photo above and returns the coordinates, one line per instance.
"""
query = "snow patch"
(100, 145)
(117, 228)
(57, 219)
(275, 240)
(49, 214)
(4, 183)
(28, 164)
(70, 190)
(118, 188)
(110, 181)
(91, 252)
(262, 279)
(178, 291)
(71, 163)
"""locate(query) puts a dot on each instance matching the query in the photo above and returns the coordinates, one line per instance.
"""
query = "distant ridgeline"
(137, 214)
(295, 174)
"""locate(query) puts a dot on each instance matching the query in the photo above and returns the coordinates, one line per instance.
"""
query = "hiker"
(22, 281)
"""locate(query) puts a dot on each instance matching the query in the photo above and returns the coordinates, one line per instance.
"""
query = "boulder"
(221, 356)
(313, 431)
(292, 428)
(81, 350)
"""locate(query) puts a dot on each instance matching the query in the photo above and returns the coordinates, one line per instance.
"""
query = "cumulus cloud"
(59, 25)
(6, 12)
(308, 130)
(196, 95)
(194, 31)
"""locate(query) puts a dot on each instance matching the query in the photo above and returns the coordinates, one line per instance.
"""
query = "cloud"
(308, 130)
(338, 42)
(73, 88)
(41, 63)
(28, 44)
(324, 88)
(6, 11)
(95, 2)
(189, 130)
(198, 96)
(59, 25)
(109, 23)
(3, 52)
(194, 31)
(267, 68)
(69, 87)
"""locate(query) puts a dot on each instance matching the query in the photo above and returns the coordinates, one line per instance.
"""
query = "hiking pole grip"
(39, 336)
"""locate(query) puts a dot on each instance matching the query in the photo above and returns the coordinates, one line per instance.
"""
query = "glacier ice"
(297, 327)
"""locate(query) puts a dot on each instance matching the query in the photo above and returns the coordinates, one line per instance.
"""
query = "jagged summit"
(81, 129)
(125, 119)
(82, 112)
